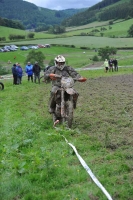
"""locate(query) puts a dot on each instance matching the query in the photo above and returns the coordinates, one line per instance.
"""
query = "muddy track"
(105, 109)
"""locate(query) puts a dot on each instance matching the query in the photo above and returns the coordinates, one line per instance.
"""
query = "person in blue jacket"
(29, 71)
(19, 73)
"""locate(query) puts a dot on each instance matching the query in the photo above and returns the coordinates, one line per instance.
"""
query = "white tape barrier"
(90, 172)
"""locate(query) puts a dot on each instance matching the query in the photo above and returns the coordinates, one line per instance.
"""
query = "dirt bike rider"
(61, 69)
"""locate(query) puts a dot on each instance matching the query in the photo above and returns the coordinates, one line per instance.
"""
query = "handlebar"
(55, 76)
(82, 79)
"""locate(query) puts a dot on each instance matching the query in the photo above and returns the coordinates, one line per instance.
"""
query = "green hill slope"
(6, 31)
(118, 29)
(105, 10)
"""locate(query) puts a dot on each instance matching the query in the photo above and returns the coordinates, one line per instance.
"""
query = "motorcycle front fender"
(70, 91)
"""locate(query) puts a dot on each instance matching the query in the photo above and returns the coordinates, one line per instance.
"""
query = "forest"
(11, 23)
(102, 11)
(32, 16)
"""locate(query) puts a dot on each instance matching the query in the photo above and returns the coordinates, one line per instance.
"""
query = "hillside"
(105, 10)
(32, 16)
(79, 35)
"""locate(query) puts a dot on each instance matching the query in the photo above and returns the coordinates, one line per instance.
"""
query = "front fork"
(63, 109)
(62, 106)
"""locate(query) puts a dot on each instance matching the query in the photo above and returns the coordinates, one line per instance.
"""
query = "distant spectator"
(9, 62)
(29, 71)
(106, 65)
(19, 73)
(110, 62)
(36, 71)
(115, 62)
(46, 68)
(14, 72)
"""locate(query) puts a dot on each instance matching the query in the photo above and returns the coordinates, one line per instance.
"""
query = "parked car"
(13, 46)
(5, 49)
(1, 50)
(41, 46)
(34, 47)
(30, 46)
(24, 48)
(47, 45)
(11, 49)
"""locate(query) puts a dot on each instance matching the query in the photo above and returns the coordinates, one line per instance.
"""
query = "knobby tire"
(1, 86)
(69, 113)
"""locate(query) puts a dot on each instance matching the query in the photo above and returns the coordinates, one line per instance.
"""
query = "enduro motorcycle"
(1, 86)
(65, 98)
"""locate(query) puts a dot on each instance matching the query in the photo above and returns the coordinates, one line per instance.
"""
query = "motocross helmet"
(60, 62)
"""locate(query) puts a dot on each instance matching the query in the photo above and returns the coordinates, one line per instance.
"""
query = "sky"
(62, 5)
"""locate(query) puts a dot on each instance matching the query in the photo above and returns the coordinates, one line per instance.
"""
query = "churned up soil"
(105, 110)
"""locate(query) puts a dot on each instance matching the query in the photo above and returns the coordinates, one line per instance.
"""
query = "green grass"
(37, 163)
(82, 41)
(100, 72)
(5, 32)
(87, 26)
(119, 29)
(74, 57)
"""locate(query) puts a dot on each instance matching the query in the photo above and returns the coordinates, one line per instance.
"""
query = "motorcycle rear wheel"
(1, 86)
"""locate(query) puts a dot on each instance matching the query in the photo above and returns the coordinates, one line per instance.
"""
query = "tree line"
(11, 23)
(32, 16)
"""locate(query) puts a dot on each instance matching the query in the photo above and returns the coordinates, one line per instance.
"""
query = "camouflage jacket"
(67, 71)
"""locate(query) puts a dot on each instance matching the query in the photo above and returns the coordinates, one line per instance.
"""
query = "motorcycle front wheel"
(69, 113)
(1, 86)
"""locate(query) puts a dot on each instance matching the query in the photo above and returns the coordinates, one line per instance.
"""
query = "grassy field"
(87, 26)
(74, 57)
(5, 32)
(37, 163)
(81, 41)
(119, 29)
